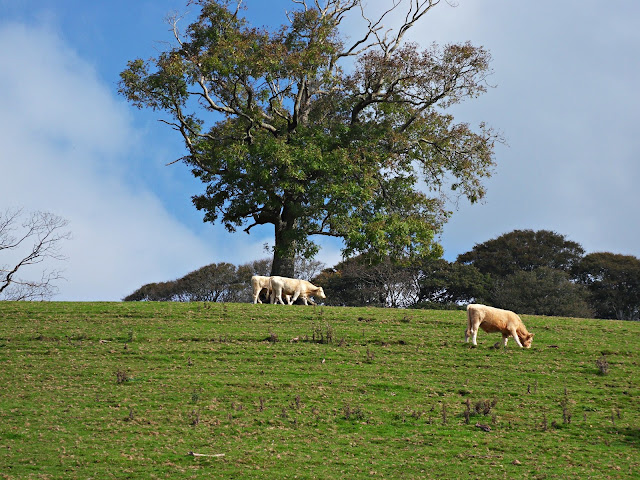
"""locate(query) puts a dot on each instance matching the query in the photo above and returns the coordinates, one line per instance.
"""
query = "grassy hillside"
(127, 390)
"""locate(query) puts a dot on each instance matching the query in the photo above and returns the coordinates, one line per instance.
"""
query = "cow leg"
(473, 323)
(279, 299)
(296, 294)
(514, 334)
(276, 296)
(474, 335)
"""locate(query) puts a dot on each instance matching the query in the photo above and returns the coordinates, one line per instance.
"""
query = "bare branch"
(421, 8)
(44, 231)
(417, 9)
(173, 21)
(238, 6)
(213, 105)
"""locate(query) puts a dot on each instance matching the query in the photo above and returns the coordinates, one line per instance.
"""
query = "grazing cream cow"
(259, 283)
(296, 288)
(491, 320)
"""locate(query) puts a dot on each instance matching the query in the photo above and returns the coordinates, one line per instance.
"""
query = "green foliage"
(540, 272)
(528, 272)
(447, 283)
(361, 281)
(279, 134)
(613, 282)
(217, 282)
(386, 395)
(543, 291)
(523, 250)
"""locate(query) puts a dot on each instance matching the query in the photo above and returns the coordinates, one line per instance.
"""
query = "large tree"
(361, 282)
(447, 284)
(300, 129)
(530, 272)
(613, 281)
(543, 291)
(523, 250)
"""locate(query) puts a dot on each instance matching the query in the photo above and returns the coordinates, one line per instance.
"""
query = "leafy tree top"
(613, 281)
(281, 133)
(523, 250)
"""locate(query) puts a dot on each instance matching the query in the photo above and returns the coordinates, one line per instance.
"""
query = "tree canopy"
(444, 283)
(613, 281)
(359, 281)
(217, 282)
(301, 129)
(530, 272)
(543, 291)
(523, 250)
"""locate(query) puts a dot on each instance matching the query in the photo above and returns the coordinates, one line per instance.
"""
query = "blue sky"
(566, 100)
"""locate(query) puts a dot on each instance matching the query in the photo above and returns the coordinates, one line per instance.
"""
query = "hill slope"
(129, 389)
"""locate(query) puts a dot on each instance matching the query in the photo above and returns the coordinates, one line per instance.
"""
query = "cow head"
(527, 340)
(320, 293)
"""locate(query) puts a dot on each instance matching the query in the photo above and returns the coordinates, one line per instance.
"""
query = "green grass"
(127, 390)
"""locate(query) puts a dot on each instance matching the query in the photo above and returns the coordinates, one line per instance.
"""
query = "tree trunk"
(284, 251)
(282, 265)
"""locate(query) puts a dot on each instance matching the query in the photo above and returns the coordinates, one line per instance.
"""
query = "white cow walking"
(295, 288)
(259, 283)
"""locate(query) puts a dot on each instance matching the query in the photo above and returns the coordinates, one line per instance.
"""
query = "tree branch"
(44, 229)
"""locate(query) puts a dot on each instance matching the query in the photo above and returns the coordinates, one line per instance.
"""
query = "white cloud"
(567, 104)
(65, 145)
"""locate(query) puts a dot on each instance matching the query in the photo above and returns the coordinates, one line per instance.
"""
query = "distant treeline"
(530, 272)
(217, 282)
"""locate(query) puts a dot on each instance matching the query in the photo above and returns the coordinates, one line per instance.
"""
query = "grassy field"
(129, 390)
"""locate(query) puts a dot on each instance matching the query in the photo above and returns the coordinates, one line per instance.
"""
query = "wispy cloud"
(566, 100)
(65, 144)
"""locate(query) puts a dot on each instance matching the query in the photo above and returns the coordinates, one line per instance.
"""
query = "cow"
(492, 319)
(259, 283)
(295, 288)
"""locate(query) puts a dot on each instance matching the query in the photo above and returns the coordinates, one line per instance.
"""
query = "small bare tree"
(27, 240)
(306, 268)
